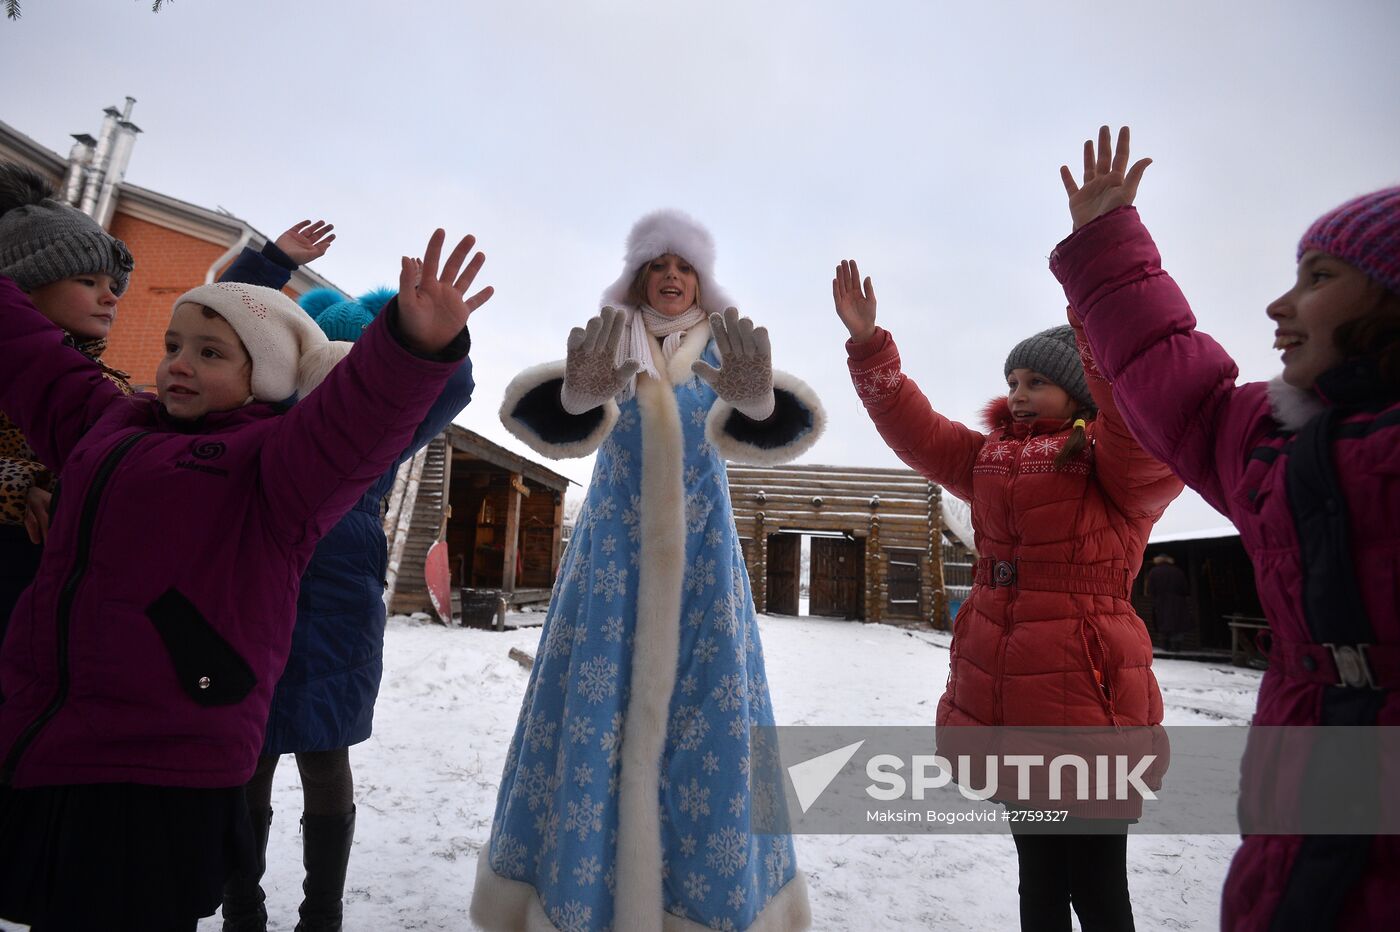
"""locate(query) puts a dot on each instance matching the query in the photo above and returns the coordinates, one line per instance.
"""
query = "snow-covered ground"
(426, 785)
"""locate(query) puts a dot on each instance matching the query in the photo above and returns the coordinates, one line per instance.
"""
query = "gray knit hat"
(43, 240)
(1054, 354)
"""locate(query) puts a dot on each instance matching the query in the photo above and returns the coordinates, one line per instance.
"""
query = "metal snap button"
(204, 682)
(1004, 573)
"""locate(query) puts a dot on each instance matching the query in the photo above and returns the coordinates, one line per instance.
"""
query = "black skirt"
(119, 856)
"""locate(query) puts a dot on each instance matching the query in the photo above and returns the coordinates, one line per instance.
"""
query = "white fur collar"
(1293, 407)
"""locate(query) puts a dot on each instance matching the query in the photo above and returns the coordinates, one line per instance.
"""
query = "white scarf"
(669, 330)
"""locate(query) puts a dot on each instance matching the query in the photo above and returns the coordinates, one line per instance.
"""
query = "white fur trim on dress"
(638, 905)
(673, 231)
(531, 379)
(504, 905)
(1292, 407)
(738, 451)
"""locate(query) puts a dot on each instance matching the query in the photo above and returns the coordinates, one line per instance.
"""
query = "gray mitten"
(591, 375)
(745, 376)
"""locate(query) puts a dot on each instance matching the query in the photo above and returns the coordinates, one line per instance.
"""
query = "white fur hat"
(290, 355)
(670, 231)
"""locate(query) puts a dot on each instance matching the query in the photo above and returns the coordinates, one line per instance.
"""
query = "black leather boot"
(325, 852)
(243, 893)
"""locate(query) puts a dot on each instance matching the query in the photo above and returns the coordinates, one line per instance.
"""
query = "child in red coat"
(1062, 503)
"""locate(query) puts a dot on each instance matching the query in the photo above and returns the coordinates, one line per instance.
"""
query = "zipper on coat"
(1005, 639)
(66, 596)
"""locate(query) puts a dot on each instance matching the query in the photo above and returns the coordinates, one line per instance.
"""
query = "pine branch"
(12, 10)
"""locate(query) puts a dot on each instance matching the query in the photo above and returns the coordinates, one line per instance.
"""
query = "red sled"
(439, 579)
(438, 575)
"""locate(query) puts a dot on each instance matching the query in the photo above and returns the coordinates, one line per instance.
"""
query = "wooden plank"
(816, 468)
(819, 505)
(512, 541)
(830, 521)
(898, 488)
(556, 542)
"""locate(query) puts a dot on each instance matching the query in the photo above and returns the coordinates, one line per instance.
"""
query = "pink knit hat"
(1364, 232)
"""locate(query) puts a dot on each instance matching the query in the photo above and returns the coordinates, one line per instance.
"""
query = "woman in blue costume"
(625, 802)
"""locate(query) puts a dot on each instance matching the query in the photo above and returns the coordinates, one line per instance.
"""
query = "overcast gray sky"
(921, 138)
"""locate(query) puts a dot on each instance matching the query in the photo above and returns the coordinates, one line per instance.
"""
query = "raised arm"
(1174, 386)
(942, 450)
(273, 266)
(1136, 482)
(335, 442)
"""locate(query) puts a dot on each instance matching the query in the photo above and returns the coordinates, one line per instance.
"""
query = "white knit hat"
(290, 355)
(670, 231)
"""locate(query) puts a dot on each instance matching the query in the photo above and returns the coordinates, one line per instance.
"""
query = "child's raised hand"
(432, 309)
(854, 305)
(306, 241)
(1108, 182)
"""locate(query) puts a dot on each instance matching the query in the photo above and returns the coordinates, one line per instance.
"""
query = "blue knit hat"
(344, 318)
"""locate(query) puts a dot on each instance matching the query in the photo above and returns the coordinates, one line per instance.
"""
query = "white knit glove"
(591, 375)
(745, 378)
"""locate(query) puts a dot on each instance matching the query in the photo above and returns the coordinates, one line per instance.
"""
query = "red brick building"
(177, 245)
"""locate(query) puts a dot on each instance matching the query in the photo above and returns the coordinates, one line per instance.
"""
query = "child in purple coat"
(137, 669)
(1306, 466)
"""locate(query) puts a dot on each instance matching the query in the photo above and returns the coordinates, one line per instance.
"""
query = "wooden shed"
(876, 540)
(503, 532)
(1223, 601)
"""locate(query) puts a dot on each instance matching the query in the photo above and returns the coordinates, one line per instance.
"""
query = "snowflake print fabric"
(557, 820)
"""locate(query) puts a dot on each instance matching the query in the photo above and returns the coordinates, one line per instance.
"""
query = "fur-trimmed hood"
(996, 416)
(670, 231)
(1293, 407)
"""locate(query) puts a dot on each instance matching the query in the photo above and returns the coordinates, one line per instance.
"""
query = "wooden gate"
(784, 572)
(838, 577)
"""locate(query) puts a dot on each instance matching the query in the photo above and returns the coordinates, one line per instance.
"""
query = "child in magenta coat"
(138, 667)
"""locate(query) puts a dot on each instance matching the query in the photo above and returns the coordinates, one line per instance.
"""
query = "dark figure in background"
(1167, 586)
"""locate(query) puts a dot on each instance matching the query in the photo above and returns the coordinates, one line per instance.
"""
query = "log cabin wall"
(891, 520)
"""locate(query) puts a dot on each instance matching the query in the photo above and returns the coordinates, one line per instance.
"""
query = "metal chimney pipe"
(98, 166)
(79, 157)
(123, 142)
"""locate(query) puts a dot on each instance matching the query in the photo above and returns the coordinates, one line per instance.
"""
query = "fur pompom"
(376, 299)
(21, 186)
(318, 299)
(317, 363)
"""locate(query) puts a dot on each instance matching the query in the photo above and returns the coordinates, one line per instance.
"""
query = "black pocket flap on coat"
(210, 671)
